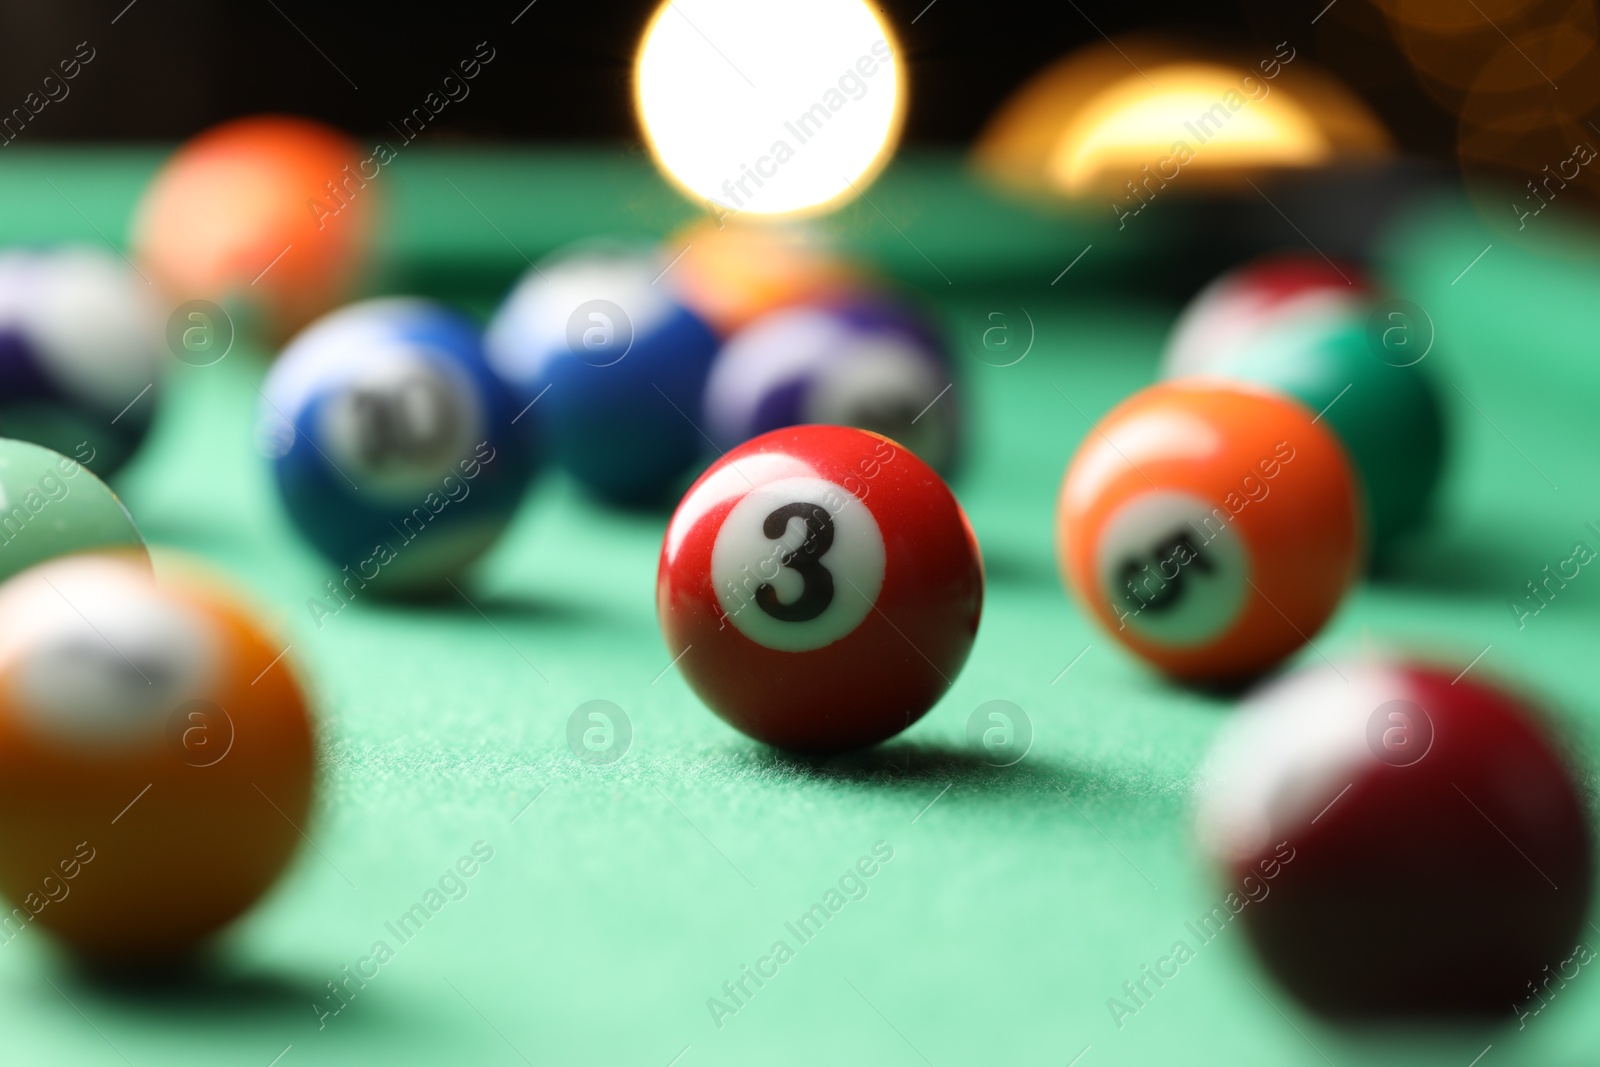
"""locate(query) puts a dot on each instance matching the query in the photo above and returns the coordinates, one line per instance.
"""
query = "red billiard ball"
(1243, 304)
(1211, 529)
(1400, 840)
(822, 587)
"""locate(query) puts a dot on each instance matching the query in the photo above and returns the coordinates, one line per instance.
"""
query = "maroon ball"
(1398, 843)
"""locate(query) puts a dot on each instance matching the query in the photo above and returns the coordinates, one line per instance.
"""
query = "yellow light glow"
(769, 108)
(1223, 117)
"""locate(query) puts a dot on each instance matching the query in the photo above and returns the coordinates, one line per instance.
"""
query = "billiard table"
(704, 899)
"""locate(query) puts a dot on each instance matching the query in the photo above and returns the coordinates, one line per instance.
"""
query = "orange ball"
(1209, 528)
(154, 770)
(269, 215)
(733, 273)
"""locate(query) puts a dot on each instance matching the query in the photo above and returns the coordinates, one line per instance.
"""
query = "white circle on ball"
(813, 583)
(400, 421)
(97, 325)
(1172, 568)
(110, 672)
(1228, 316)
(771, 352)
(886, 384)
(1288, 752)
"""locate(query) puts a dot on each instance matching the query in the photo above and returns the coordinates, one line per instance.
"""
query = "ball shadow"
(1474, 564)
(656, 508)
(916, 766)
(1004, 568)
(1471, 1025)
(1223, 694)
(499, 606)
(1215, 696)
(204, 983)
(1376, 1034)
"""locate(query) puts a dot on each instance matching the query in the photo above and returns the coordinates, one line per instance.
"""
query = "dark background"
(168, 68)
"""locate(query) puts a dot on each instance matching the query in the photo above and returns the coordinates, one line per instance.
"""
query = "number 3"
(805, 561)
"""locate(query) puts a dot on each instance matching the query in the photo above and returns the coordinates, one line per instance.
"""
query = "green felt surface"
(1017, 900)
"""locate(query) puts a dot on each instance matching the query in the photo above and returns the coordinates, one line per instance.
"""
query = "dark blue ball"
(395, 446)
(615, 366)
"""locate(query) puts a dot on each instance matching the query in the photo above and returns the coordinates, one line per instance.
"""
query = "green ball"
(51, 505)
(1389, 417)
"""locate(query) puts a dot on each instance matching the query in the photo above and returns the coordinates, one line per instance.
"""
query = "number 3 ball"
(156, 757)
(822, 587)
(1209, 528)
(393, 443)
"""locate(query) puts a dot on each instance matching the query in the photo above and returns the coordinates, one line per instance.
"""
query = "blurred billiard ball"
(1210, 529)
(79, 353)
(612, 366)
(866, 361)
(1379, 400)
(156, 757)
(394, 446)
(732, 273)
(269, 216)
(822, 586)
(1413, 841)
(1226, 315)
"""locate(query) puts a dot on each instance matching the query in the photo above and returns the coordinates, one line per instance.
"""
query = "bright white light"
(766, 107)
